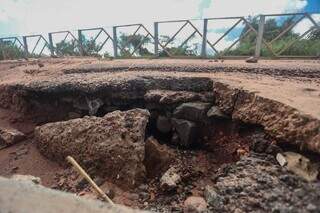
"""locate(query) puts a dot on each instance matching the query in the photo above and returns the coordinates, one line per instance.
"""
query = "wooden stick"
(88, 178)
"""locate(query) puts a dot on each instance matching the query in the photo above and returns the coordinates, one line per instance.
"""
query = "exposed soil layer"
(201, 123)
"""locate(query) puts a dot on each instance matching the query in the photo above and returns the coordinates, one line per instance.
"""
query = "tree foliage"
(184, 50)
(136, 43)
(307, 46)
(10, 51)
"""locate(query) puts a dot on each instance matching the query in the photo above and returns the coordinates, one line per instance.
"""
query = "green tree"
(308, 46)
(71, 48)
(184, 50)
(10, 51)
(137, 43)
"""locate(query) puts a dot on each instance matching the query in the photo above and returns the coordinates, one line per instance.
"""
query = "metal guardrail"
(206, 44)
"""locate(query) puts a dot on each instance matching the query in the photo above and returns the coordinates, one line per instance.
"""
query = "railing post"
(80, 42)
(115, 42)
(156, 39)
(204, 39)
(25, 46)
(260, 36)
(2, 50)
(51, 44)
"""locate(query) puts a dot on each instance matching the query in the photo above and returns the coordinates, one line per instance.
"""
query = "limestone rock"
(194, 204)
(94, 105)
(157, 157)
(252, 60)
(112, 145)
(193, 111)
(216, 113)
(299, 165)
(186, 130)
(28, 178)
(281, 159)
(163, 124)
(10, 136)
(169, 181)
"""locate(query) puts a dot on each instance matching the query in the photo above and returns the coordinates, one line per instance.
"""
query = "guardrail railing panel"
(12, 41)
(267, 35)
(296, 27)
(40, 45)
(99, 33)
(65, 35)
(131, 44)
(171, 45)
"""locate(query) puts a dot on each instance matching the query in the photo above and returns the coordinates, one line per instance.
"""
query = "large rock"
(22, 196)
(157, 157)
(163, 124)
(186, 130)
(193, 111)
(176, 97)
(112, 145)
(10, 136)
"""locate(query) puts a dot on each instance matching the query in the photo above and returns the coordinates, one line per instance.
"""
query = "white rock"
(195, 205)
(170, 179)
(28, 178)
(281, 159)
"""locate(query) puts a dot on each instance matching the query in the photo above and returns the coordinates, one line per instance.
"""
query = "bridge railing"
(267, 35)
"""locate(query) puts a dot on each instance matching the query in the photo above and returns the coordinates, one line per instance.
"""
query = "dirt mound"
(112, 145)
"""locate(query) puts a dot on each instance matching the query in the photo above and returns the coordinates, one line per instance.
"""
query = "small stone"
(281, 159)
(163, 124)
(311, 207)
(252, 60)
(169, 181)
(216, 113)
(194, 204)
(10, 136)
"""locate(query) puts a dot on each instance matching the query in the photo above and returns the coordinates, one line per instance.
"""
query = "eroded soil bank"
(162, 143)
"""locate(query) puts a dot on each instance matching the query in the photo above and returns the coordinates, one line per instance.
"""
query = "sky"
(40, 16)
